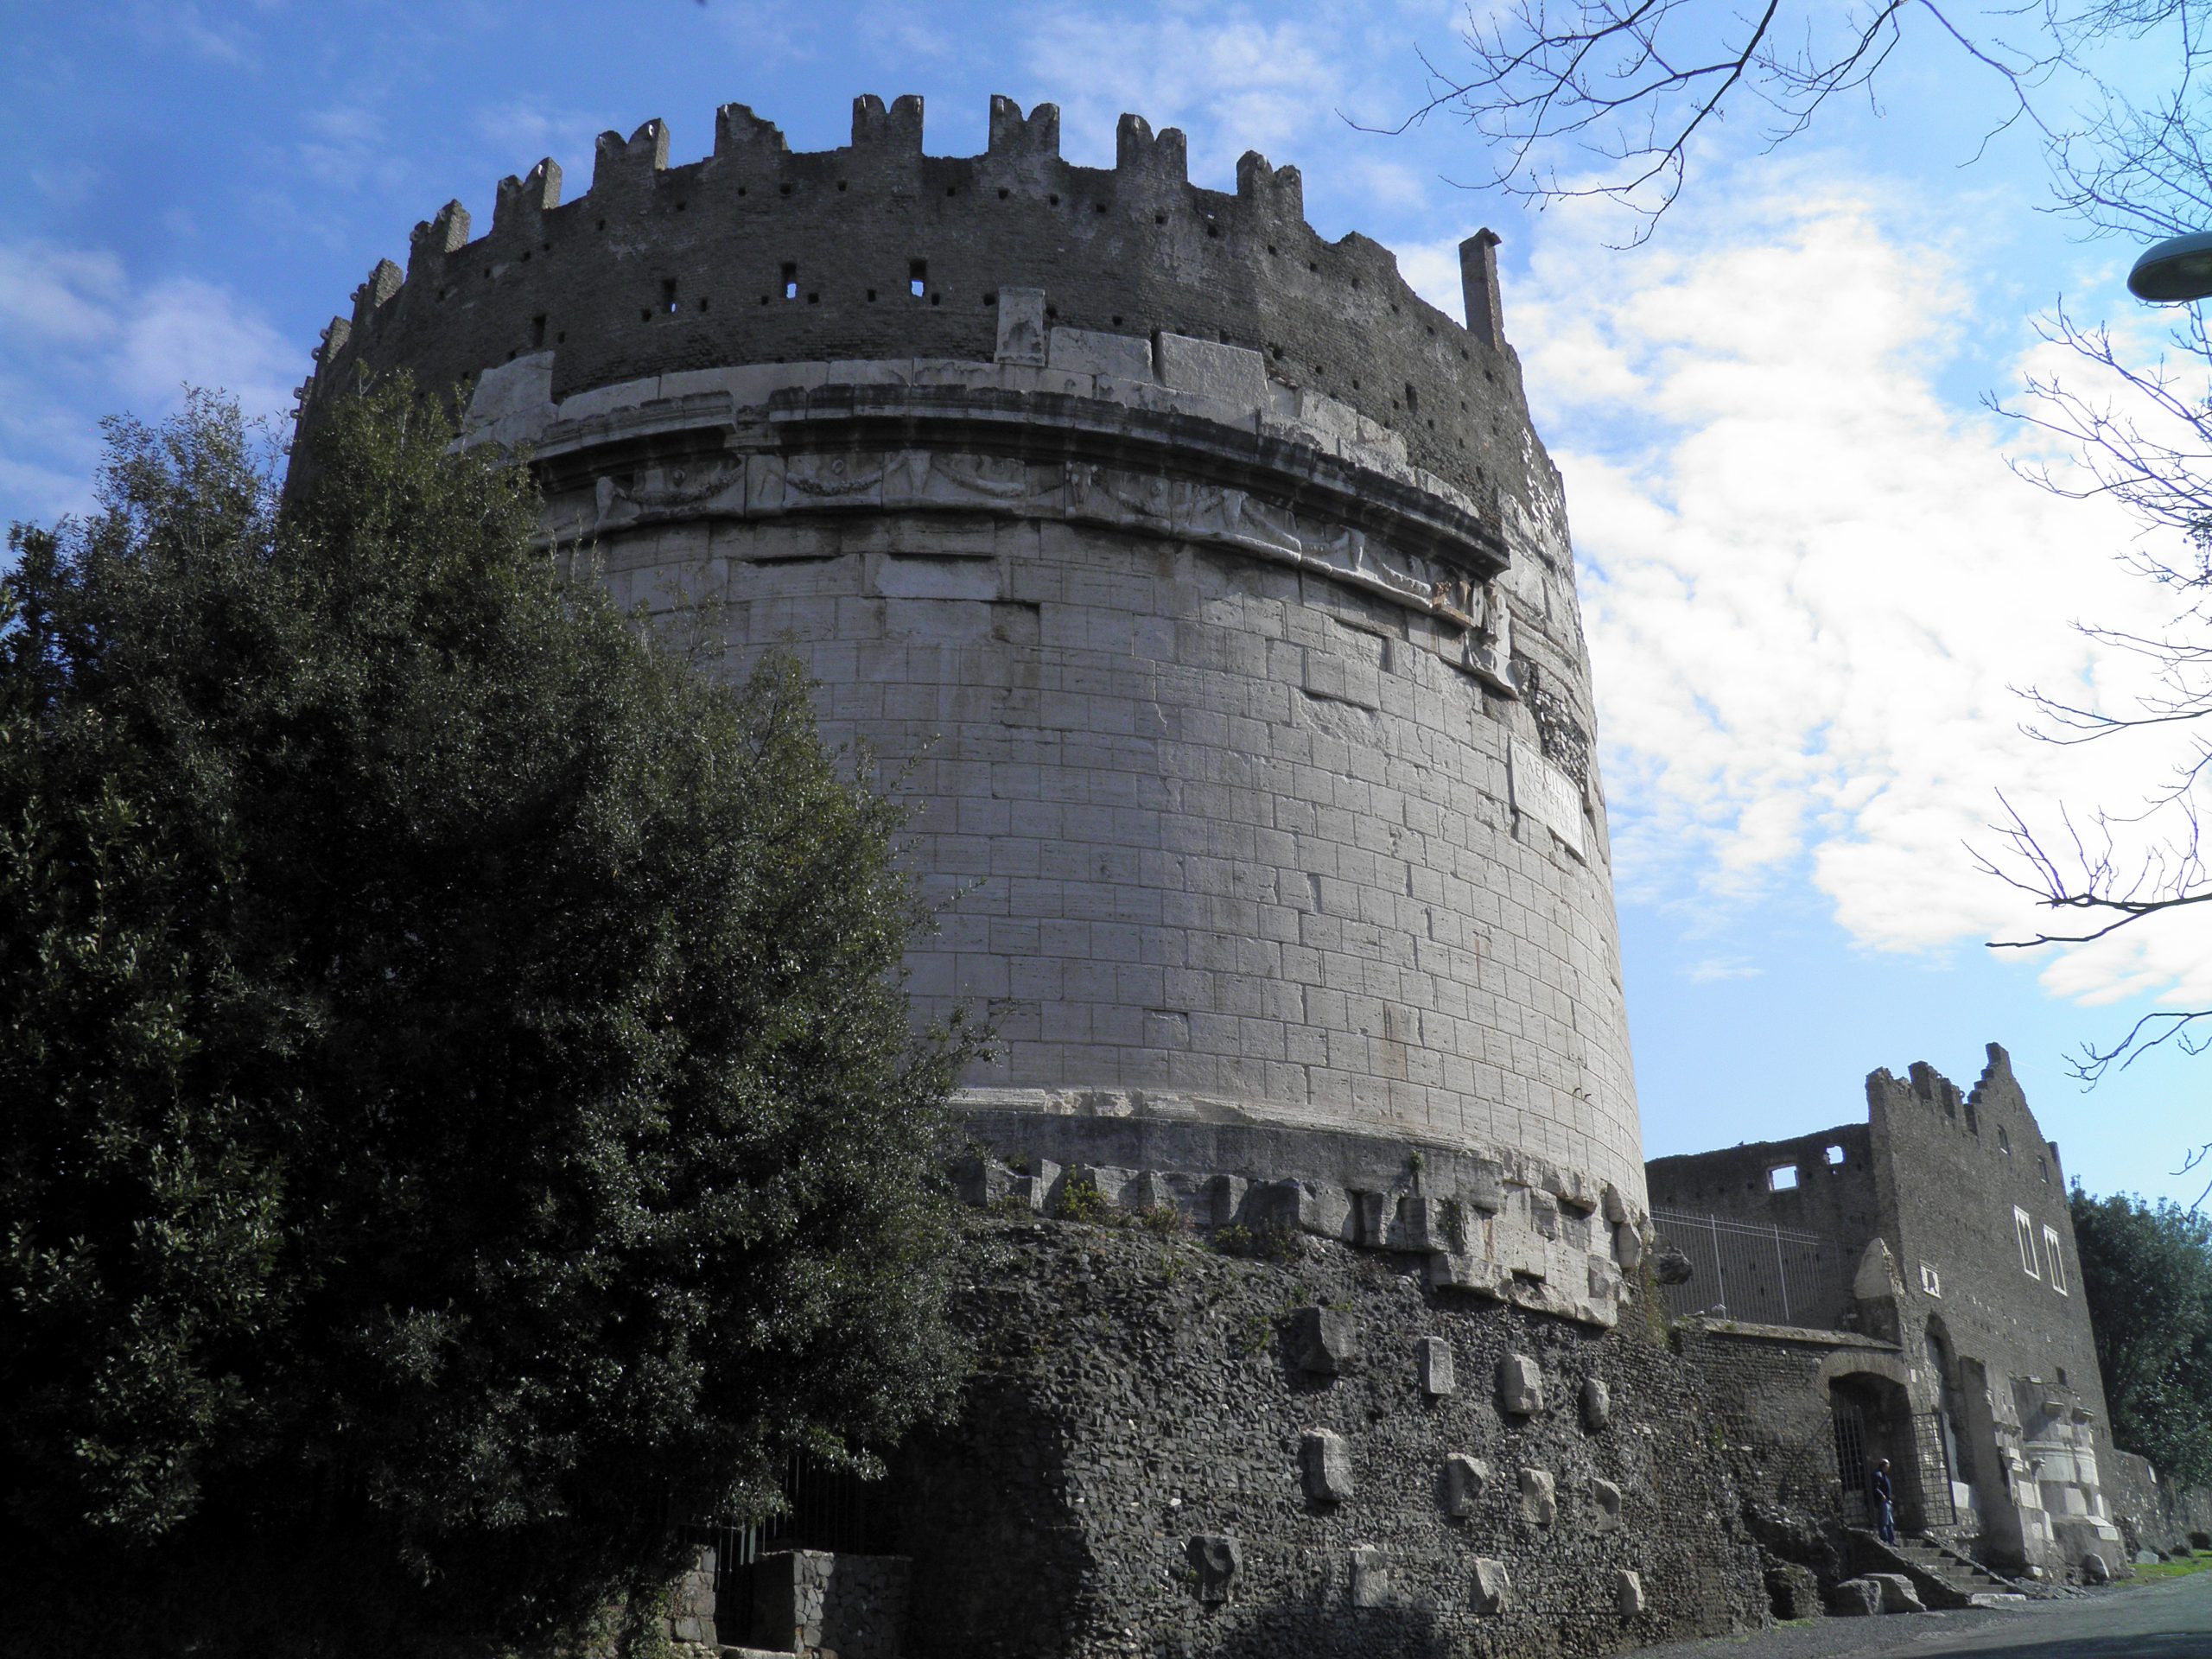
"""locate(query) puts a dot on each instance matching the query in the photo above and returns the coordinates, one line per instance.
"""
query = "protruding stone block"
(1228, 1193)
(1605, 1506)
(2094, 1569)
(1539, 1501)
(1519, 1386)
(1084, 351)
(1228, 374)
(1321, 1341)
(1216, 1561)
(1628, 1593)
(1324, 1460)
(1371, 1576)
(1465, 1479)
(1597, 1404)
(1037, 1188)
(1021, 326)
(1493, 1585)
(1627, 1247)
(1437, 1379)
(982, 1180)
(1856, 1599)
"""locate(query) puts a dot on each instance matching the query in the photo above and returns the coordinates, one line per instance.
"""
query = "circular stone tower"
(1213, 587)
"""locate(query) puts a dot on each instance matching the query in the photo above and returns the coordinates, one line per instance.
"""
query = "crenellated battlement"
(757, 253)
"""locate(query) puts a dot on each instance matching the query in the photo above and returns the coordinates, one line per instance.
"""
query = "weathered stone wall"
(2154, 1514)
(1167, 1450)
(1962, 1166)
(2014, 1345)
(1834, 1195)
(1215, 588)
(1767, 1393)
(759, 255)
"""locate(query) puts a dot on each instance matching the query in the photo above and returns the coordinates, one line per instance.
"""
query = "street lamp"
(2179, 268)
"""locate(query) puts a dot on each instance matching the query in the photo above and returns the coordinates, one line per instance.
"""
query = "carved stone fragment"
(1321, 1340)
(1436, 1372)
(1021, 326)
(1519, 1386)
(1605, 1506)
(1597, 1404)
(1493, 1585)
(1898, 1594)
(1214, 1559)
(1856, 1597)
(1628, 1593)
(1538, 1503)
(1465, 1479)
(1324, 1460)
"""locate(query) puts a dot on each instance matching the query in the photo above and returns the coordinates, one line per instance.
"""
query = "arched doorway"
(1872, 1421)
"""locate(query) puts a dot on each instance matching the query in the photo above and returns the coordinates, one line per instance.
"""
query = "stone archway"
(1872, 1418)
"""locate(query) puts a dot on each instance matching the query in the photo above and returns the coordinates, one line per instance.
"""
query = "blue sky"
(1812, 582)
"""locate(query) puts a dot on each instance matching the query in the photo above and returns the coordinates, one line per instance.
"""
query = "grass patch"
(2160, 1571)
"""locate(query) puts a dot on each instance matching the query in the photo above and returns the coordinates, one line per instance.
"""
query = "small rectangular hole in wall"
(668, 295)
(1782, 1177)
(918, 277)
(791, 282)
(1834, 1155)
(1413, 400)
(537, 329)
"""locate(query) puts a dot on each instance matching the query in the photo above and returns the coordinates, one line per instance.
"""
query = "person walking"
(1886, 1510)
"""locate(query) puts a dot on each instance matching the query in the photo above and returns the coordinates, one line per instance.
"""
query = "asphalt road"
(2171, 1620)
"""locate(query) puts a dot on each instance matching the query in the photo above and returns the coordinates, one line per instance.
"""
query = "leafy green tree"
(459, 1106)
(2147, 1274)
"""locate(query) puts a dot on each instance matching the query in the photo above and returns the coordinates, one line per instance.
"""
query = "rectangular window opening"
(668, 295)
(2023, 1230)
(1835, 1157)
(791, 281)
(918, 277)
(1782, 1177)
(2057, 1263)
(537, 329)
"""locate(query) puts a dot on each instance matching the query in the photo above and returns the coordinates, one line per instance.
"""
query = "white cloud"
(1712, 970)
(1233, 84)
(80, 339)
(1813, 585)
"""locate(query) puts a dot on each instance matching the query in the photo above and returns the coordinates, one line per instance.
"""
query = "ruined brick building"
(1934, 1239)
(1216, 594)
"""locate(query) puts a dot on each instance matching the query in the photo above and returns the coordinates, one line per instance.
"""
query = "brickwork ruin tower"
(1216, 585)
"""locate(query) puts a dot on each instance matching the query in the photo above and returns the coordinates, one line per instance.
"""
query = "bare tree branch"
(1604, 97)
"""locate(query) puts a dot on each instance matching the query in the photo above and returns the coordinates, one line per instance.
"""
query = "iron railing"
(825, 1508)
(1746, 1270)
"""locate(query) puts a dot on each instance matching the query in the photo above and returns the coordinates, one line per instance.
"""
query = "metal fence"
(1743, 1270)
(825, 1508)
